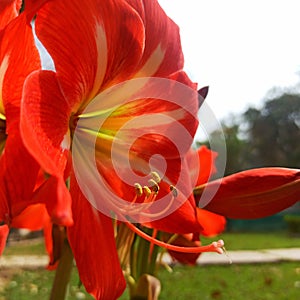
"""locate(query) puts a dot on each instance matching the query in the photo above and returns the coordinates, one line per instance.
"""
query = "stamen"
(154, 234)
(138, 192)
(160, 213)
(213, 247)
(173, 190)
(150, 194)
(138, 189)
(225, 252)
(153, 185)
(147, 191)
(155, 177)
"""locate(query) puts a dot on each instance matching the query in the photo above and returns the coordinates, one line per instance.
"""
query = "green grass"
(26, 247)
(234, 282)
(36, 285)
(254, 241)
(233, 241)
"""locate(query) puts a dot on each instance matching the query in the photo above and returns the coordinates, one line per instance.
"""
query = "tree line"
(269, 136)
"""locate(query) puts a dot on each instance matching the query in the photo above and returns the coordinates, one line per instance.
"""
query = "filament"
(213, 247)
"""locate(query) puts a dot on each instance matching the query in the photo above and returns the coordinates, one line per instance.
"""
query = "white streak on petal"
(66, 142)
(47, 61)
(101, 45)
(153, 63)
(3, 68)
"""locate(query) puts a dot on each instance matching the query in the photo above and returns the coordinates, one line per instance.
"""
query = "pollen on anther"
(147, 191)
(155, 177)
(138, 189)
(153, 185)
(173, 190)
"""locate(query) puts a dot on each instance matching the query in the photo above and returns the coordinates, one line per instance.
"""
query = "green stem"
(61, 281)
(133, 258)
(142, 257)
(153, 261)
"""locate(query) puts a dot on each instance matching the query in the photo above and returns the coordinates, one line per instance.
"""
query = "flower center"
(148, 194)
(73, 123)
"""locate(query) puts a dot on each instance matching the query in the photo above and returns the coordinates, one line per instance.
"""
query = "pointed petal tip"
(252, 194)
(202, 94)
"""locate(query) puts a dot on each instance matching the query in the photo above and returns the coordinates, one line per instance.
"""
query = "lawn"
(26, 247)
(234, 282)
(233, 241)
(254, 241)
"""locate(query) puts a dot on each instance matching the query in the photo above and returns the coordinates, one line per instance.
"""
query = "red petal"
(158, 121)
(183, 220)
(162, 54)
(18, 167)
(18, 175)
(212, 224)
(104, 48)
(201, 163)
(9, 9)
(54, 193)
(33, 217)
(45, 122)
(4, 230)
(19, 64)
(32, 6)
(252, 194)
(4, 207)
(49, 245)
(93, 244)
(186, 240)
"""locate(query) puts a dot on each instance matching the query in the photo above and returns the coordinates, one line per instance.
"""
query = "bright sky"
(241, 49)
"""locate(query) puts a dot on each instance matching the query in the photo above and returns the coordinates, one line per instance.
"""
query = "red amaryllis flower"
(118, 132)
(251, 194)
(18, 169)
(20, 204)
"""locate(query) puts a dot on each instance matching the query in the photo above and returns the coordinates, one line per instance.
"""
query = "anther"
(155, 177)
(153, 184)
(147, 191)
(138, 189)
(173, 190)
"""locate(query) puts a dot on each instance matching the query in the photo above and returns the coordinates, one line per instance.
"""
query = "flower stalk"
(60, 287)
(141, 276)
